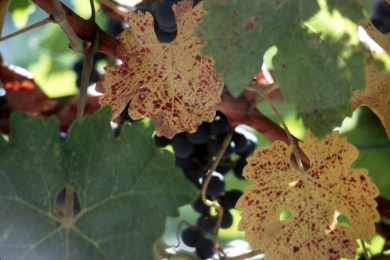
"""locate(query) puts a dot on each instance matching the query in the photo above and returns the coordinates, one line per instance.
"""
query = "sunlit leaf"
(315, 198)
(168, 82)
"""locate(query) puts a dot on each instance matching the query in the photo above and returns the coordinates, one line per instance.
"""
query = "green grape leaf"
(319, 54)
(126, 188)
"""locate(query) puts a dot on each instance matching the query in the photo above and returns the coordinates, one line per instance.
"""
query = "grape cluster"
(194, 155)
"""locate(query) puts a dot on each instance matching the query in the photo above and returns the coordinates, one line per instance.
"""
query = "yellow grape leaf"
(315, 198)
(382, 39)
(168, 82)
(376, 96)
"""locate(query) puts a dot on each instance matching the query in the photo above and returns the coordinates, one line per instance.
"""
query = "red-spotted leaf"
(315, 198)
(168, 82)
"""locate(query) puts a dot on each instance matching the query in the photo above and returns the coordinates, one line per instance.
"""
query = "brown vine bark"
(85, 29)
(236, 110)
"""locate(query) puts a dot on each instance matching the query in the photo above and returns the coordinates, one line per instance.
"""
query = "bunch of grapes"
(194, 155)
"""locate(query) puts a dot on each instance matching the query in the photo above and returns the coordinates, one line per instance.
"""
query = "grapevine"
(162, 128)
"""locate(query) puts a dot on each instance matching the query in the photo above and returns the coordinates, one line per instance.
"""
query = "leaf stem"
(93, 13)
(209, 203)
(60, 17)
(69, 198)
(245, 256)
(295, 150)
(49, 19)
(87, 68)
(364, 250)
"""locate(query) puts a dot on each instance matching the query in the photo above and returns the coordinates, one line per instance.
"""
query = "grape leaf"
(319, 55)
(376, 96)
(382, 39)
(168, 82)
(377, 93)
(126, 188)
(315, 198)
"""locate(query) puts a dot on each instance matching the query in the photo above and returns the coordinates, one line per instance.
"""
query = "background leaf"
(319, 55)
(126, 187)
(20, 11)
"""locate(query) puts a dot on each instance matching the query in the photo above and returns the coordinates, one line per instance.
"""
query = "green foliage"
(126, 188)
(319, 55)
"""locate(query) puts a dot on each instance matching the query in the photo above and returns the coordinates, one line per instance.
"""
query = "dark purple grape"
(216, 146)
(114, 27)
(171, 29)
(144, 10)
(193, 177)
(191, 237)
(251, 143)
(229, 199)
(207, 222)
(216, 185)
(224, 166)
(187, 164)
(220, 126)
(63, 136)
(201, 136)
(182, 147)
(199, 206)
(204, 248)
(250, 148)
(164, 15)
(163, 36)
(240, 164)
(240, 140)
(227, 220)
(201, 152)
(124, 115)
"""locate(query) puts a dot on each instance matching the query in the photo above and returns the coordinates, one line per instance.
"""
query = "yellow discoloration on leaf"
(376, 96)
(315, 198)
(382, 39)
(168, 82)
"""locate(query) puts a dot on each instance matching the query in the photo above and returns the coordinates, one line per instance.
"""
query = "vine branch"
(295, 150)
(85, 29)
(60, 18)
(49, 19)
